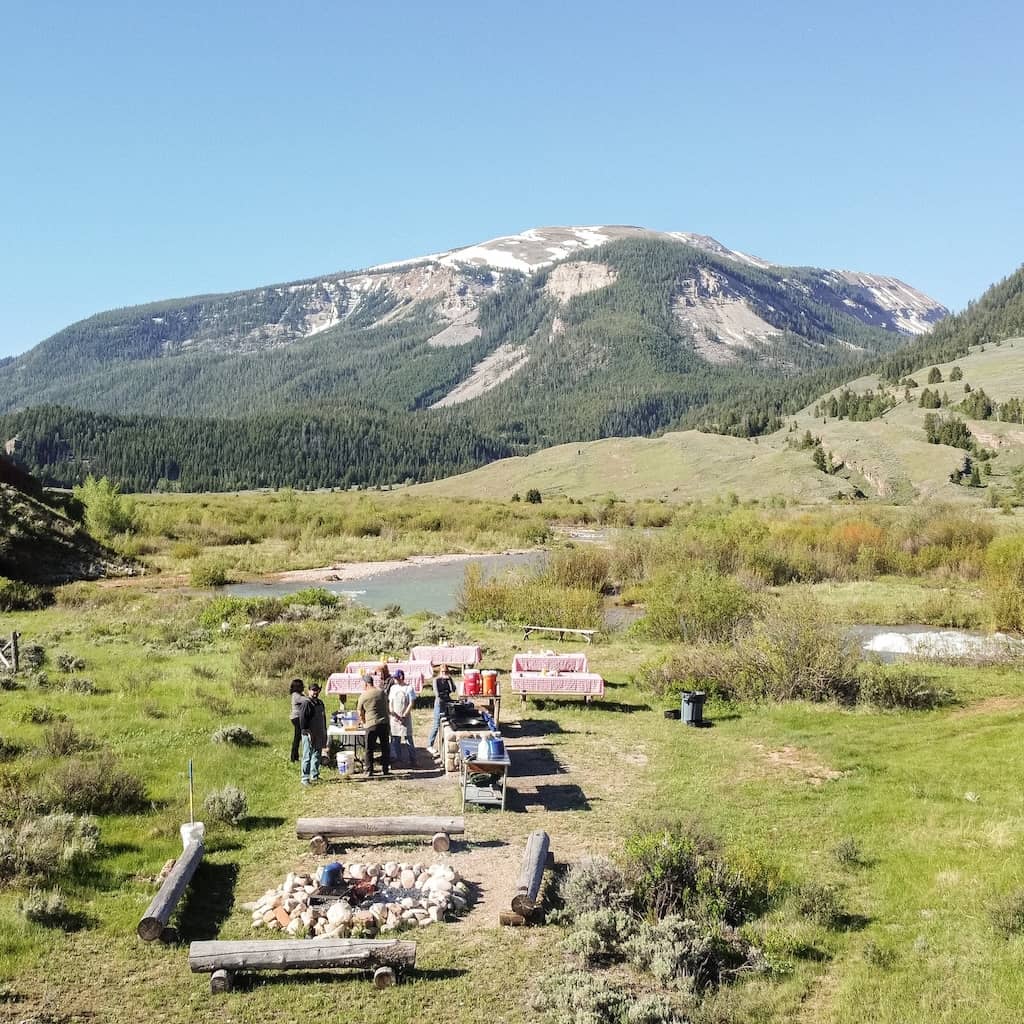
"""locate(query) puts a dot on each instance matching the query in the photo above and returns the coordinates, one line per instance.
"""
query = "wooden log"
(383, 977)
(441, 843)
(511, 918)
(158, 913)
(531, 873)
(221, 981)
(14, 650)
(411, 825)
(299, 954)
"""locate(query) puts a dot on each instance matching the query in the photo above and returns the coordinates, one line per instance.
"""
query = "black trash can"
(693, 707)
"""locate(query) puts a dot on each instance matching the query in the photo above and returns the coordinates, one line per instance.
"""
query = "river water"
(432, 587)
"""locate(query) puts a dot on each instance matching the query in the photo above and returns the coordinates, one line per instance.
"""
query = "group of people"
(385, 711)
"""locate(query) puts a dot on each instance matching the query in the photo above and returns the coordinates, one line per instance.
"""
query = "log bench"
(587, 634)
(536, 857)
(153, 925)
(222, 960)
(320, 831)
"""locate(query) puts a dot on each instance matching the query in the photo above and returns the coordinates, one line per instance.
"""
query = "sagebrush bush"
(581, 997)
(47, 845)
(101, 786)
(62, 739)
(69, 662)
(593, 883)
(848, 853)
(37, 714)
(228, 804)
(821, 903)
(32, 656)
(238, 735)
(310, 651)
(373, 635)
(9, 750)
(48, 908)
(78, 684)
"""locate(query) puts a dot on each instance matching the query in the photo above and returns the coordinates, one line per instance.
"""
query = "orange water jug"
(490, 683)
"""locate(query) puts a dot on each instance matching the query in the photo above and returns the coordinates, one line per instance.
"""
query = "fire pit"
(364, 900)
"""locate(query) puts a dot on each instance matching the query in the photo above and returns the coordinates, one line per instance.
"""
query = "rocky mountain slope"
(463, 322)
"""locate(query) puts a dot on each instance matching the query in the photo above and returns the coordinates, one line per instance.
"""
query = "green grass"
(933, 800)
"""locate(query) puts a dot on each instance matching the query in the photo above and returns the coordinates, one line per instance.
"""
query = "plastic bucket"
(344, 762)
(490, 682)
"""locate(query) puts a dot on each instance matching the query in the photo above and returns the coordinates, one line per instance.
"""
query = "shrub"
(62, 739)
(32, 656)
(69, 662)
(22, 597)
(49, 909)
(8, 750)
(533, 496)
(583, 568)
(900, 686)
(44, 846)
(594, 883)
(309, 651)
(312, 597)
(78, 684)
(1007, 914)
(239, 611)
(580, 997)
(848, 853)
(212, 573)
(106, 510)
(37, 714)
(373, 635)
(228, 804)
(239, 735)
(821, 903)
(526, 599)
(879, 957)
(185, 550)
(97, 787)
(698, 605)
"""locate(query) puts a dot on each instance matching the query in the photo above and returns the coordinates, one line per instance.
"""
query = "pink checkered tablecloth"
(416, 672)
(447, 654)
(587, 683)
(352, 682)
(530, 662)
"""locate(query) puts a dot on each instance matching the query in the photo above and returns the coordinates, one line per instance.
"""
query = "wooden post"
(299, 954)
(535, 859)
(221, 981)
(412, 825)
(158, 913)
(14, 650)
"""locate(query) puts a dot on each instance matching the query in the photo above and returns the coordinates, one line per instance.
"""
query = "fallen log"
(535, 859)
(298, 954)
(158, 913)
(319, 831)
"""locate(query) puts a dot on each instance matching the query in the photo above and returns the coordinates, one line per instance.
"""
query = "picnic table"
(447, 654)
(533, 684)
(549, 662)
(416, 672)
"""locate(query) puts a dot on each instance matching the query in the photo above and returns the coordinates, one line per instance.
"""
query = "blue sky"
(151, 153)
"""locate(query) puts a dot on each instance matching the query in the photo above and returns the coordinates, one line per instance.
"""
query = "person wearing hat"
(313, 723)
(373, 716)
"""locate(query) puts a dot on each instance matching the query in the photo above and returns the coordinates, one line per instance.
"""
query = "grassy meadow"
(868, 821)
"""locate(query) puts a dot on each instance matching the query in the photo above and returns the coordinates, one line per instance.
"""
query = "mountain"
(452, 359)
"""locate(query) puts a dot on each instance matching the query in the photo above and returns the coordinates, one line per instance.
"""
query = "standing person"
(313, 722)
(443, 690)
(298, 699)
(373, 716)
(400, 701)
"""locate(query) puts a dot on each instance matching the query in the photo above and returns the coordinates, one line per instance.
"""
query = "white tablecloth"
(447, 654)
(530, 662)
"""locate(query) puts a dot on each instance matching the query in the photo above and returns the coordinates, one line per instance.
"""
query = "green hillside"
(887, 457)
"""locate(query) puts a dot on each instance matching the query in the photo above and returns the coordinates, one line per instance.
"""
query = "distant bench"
(587, 634)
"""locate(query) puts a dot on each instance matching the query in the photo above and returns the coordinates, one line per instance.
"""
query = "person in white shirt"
(401, 699)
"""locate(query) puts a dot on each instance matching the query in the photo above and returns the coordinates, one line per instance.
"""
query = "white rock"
(289, 883)
(448, 873)
(461, 888)
(407, 880)
(407, 903)
(374, 871)
(293, 927)
(274, 925)
(390, 869)
(356, 871)
(422, 879)
(436, 915)
(409, 917)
